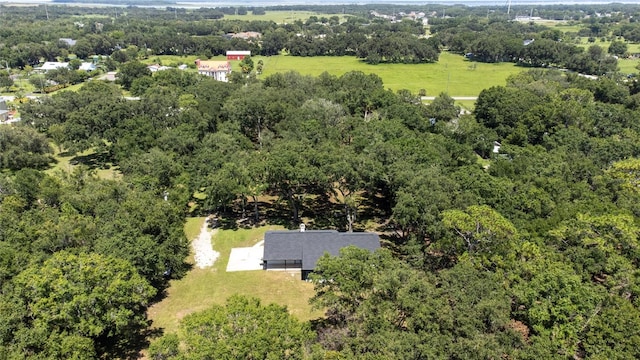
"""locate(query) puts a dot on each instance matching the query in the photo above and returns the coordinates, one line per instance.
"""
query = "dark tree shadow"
(101, 160)
(129, 347)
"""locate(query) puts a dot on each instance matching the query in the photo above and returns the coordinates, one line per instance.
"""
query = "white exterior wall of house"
(217, 75)
(216, 69)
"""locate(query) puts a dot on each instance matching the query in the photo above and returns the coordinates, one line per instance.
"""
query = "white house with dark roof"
(293, 250)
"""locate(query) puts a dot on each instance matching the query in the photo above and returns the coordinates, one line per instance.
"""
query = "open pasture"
(451, 74)
(281, 17)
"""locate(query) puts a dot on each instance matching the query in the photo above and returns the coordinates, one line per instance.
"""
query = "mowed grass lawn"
(452, 74)
(201, 288)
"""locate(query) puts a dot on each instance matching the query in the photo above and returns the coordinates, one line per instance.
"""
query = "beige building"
(218, 70)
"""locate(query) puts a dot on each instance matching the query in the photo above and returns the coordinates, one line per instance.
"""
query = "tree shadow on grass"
(324, 213)
(100, 160)
(317, 211)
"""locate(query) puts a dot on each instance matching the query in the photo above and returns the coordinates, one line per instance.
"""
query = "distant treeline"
(487, 35)
(553, 12)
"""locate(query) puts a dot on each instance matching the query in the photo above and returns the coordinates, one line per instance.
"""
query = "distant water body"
(265, 3)
(407, 2)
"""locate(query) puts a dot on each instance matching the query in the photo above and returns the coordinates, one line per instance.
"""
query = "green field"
(566, 27)
(201, 288)
(453, 74)
(281, 17)
(584, 43)
(628, 66)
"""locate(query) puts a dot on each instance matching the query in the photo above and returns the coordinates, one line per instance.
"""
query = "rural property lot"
(201, 288)
(452, 74)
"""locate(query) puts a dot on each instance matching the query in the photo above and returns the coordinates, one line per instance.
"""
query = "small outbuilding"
(293, 250)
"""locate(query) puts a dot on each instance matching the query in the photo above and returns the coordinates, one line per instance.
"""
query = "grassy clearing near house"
(466, 104)
(201, 288)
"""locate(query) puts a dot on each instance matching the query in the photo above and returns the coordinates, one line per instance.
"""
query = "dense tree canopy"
(74, 306)
(553, 213)
(525, 248)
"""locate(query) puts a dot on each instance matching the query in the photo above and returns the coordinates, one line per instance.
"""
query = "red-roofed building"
(237, 55)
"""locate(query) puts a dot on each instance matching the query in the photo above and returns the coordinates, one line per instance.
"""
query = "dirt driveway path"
(204, 254)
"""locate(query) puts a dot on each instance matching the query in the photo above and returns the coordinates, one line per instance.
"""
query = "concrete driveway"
(247, 258)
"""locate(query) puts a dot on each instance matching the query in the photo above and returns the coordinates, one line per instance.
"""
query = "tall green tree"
(23, 147)
(486, 236)
(241, 329)
(75, 306)
(131, 71)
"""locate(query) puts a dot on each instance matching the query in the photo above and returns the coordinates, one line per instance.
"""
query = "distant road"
(474, 98)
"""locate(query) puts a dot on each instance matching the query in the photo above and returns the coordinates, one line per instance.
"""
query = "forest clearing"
(201, 288)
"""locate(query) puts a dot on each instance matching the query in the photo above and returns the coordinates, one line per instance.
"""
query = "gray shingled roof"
(310, 245)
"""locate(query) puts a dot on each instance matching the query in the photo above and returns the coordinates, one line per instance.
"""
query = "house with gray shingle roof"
(293, 250)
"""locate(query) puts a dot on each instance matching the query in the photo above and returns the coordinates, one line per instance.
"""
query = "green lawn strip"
(175, 60)
(282, 17)
(201, 288)
(566, 27)
(584, 43)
